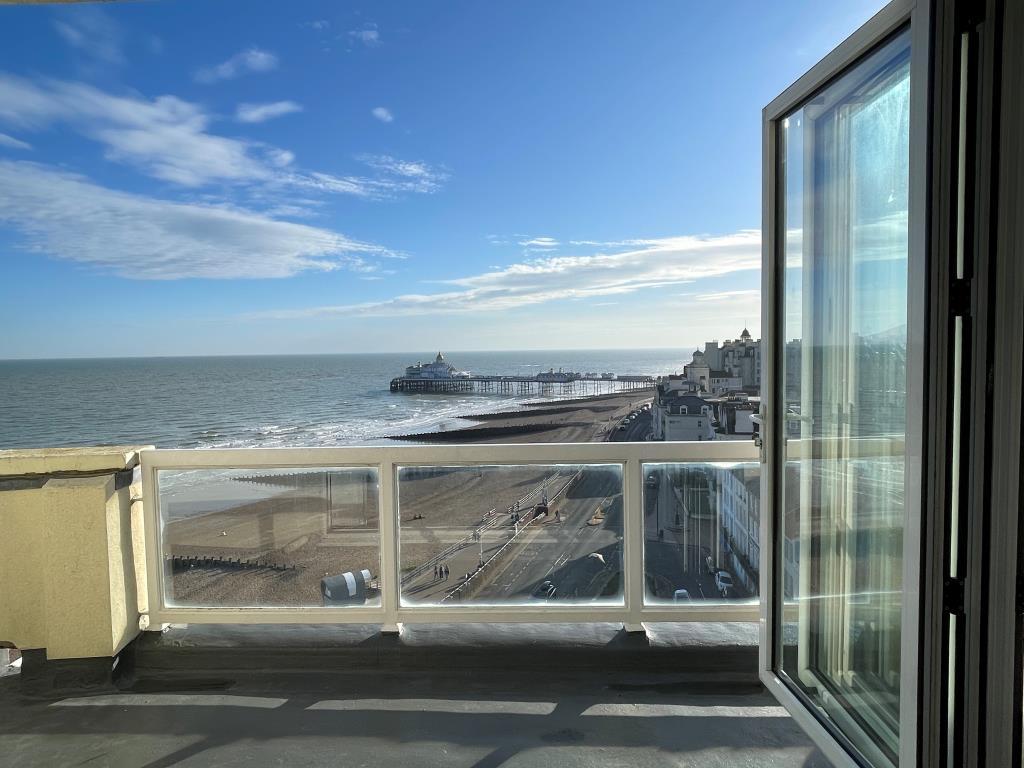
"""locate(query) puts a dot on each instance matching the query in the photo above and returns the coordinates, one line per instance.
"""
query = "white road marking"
(679, 710)
(172, 700)
(451, 706)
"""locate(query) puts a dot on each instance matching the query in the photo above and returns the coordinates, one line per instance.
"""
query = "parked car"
(681, 596)
(723, 581)
(546, 591)
(622, 427)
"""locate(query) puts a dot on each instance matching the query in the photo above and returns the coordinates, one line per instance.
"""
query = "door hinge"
(953, 596)
(960, 297)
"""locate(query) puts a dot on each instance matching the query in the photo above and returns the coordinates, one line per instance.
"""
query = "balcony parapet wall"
(71, 550)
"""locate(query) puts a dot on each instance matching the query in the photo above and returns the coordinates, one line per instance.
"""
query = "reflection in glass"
(845, 158)
(270, 537)
(510, 534)
(701, 532)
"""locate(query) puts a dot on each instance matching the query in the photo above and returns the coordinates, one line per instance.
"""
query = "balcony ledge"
(82, 460)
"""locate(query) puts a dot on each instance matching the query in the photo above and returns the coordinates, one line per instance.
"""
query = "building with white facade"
(439, 369)
(735, 360)
(678, 415)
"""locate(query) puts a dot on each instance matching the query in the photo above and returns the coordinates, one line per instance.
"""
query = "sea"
(265, 401)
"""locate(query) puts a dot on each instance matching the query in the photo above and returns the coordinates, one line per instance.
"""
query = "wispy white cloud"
(69, 217)
(13, 143)
(92, 33)
(318, 24)
(383, 114)
(258, 113)
(407, 175)
(169, 138)
(165, 137)
(392, 177)
(539, 244)
(661, 263)
(722, 295)
(242, 63)
(368, 35)
(613, 243)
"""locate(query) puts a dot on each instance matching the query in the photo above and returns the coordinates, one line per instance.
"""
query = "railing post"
(390, 579)
(633, 532)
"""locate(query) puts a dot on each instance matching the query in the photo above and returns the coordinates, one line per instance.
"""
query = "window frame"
(826, 734)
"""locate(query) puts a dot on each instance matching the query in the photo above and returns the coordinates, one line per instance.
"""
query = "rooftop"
(436, 695)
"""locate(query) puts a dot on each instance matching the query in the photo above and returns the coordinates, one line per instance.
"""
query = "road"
(559, 549)
(635, 432)
(668, 563)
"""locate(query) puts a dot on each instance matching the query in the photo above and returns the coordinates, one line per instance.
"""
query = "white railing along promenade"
(630, 458)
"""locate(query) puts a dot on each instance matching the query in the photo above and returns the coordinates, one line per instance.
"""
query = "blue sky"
(241, 178)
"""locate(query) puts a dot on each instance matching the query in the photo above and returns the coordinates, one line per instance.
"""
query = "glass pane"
(845, 160)
(511, 534)
(702, 529)
(280, 537)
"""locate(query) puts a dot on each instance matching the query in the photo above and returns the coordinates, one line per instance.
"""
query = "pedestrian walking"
(435, 571)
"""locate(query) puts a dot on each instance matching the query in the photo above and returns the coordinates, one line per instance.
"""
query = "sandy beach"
(304, 533)
(579, 420)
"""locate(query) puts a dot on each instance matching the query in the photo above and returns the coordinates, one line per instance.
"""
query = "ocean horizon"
(240, 401)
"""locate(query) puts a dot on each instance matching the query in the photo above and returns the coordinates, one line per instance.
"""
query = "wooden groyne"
(469, 434)
(185, 562)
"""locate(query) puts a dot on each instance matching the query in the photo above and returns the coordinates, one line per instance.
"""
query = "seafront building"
(439, 369)
(679, 413)
(736, 364)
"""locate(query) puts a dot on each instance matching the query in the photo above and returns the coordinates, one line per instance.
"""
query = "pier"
(521, 385)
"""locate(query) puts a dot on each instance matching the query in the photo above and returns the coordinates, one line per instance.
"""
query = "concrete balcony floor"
(516, 697)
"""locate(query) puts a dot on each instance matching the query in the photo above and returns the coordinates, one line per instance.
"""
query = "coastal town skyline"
(318, 179)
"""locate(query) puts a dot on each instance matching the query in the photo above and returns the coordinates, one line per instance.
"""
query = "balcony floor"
(255, 709)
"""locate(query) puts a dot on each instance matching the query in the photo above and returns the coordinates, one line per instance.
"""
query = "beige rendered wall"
(69, 552)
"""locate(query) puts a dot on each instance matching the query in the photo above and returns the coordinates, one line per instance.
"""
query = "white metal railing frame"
(387, 459)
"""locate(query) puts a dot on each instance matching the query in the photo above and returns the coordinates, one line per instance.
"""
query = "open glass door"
(843, 301)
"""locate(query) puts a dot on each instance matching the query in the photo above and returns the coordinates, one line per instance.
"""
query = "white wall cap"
(45, 461)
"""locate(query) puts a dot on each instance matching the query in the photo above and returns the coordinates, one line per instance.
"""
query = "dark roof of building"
(692, 402)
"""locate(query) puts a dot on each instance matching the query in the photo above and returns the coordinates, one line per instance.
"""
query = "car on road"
(681, 596)
(622, 427)
(652, 481)
(723, 582)
(546, 591)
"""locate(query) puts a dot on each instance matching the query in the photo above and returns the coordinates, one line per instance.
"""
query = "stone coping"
(88, 459)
